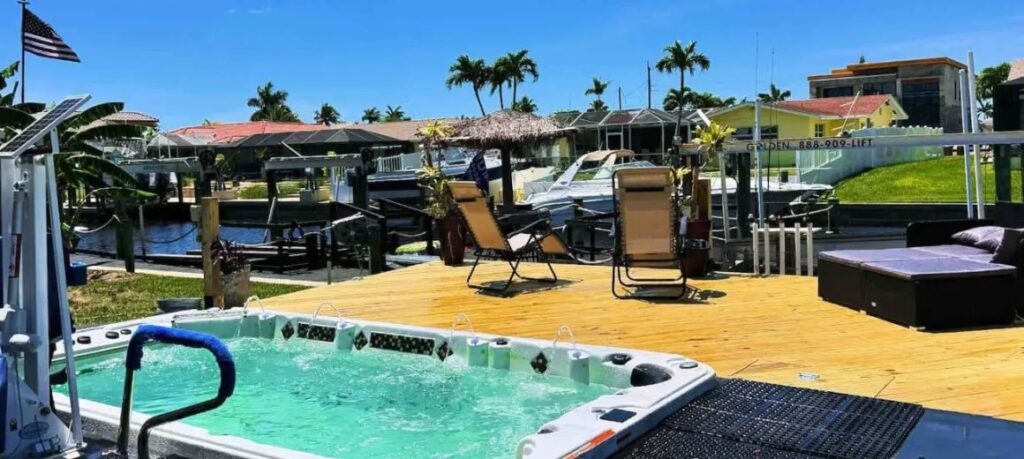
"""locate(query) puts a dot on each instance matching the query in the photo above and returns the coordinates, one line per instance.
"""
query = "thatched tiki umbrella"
(511, 132)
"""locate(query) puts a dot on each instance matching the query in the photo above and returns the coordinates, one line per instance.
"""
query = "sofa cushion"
(952, 250)
(855, 258)
(1010, 248)
(991, 240)
(938, 268)
(974, 235)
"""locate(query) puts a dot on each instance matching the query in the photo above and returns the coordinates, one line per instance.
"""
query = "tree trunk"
(479, 102)
(501, 98)
(515, 89)
(679, 117)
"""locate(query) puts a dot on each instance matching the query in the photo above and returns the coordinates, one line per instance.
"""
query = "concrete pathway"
(309, 278)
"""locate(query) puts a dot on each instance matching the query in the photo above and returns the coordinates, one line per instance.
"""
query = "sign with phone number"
(811, 144)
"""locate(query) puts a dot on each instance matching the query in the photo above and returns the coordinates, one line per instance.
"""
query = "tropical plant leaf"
(9, 71)
(14, 118)
(75, 140)
(30, 107)
(124, 194)
(91, 114)
(94, 164)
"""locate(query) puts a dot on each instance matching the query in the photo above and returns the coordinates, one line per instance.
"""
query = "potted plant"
(710, 142)
(441, 207)
(234, 272)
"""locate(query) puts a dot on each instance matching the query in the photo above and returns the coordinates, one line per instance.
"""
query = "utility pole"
(620, 97)
(648, 85)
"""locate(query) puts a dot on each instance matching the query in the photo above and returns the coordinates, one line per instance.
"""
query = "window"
(842, 91)
(883, 87)
(922, 102)
(819, 130)
(747, 133)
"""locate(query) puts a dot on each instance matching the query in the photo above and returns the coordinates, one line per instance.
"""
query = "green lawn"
(259, 191)
(117, 296)
(933, 180)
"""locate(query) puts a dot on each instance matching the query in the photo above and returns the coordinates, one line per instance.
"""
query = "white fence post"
(796, 249)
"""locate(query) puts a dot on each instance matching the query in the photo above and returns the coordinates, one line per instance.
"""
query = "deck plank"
(767, 329)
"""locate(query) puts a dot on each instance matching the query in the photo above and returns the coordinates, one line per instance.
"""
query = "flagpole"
(24, 6)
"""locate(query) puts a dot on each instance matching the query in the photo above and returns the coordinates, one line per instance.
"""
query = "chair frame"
(512, 257)
(622, 263)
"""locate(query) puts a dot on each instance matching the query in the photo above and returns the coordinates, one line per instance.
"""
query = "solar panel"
(35, 131)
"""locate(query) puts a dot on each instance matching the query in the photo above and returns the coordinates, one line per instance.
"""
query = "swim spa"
(312, 386)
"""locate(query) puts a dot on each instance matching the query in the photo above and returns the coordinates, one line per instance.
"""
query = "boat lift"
(745, 150)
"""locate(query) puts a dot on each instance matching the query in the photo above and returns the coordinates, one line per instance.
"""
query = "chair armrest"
(939, 232)
(528, 228)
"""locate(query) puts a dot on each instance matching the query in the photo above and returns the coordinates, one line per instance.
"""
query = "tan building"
(927, 89)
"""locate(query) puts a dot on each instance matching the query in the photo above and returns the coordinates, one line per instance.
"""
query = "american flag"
(40, 39)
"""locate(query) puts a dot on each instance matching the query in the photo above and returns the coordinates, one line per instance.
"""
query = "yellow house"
(826, 117)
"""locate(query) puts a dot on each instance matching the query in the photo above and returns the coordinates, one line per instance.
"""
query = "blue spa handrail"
(133, 363)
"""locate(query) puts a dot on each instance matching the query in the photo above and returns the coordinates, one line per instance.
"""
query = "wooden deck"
(767, 330)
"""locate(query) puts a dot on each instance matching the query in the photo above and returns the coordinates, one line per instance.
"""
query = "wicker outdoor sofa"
(942, 279)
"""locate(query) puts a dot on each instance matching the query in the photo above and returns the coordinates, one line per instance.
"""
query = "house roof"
(869, 67)
(831, 107)
(401, 130)
(233, 132)
(131, 118)
(632, 117)
(1016, 72)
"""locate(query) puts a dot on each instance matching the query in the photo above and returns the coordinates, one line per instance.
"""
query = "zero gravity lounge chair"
(647, 233)
(533, 239)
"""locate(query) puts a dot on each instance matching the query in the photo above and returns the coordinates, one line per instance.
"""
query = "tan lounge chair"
(647, 232)
(534, 238)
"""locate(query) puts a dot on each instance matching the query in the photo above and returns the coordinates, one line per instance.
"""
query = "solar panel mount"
(49, 121)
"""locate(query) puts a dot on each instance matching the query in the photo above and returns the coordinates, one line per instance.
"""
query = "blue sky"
(187, 60)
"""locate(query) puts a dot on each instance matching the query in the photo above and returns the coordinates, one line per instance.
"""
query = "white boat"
(588, 182)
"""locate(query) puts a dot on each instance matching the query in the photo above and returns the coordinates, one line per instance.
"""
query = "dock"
(773, 330)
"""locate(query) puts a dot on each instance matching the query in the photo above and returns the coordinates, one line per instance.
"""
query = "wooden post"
(125, 244)
(209, 221)
(376, 239)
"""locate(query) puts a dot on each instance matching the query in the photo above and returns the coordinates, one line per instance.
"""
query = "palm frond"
(97, 165)
(29, 107)
(14, 118)
(94, 113)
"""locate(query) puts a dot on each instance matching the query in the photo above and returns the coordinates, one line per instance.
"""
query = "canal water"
(168, 238)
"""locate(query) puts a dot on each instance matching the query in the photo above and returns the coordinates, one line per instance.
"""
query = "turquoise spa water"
(305, 395)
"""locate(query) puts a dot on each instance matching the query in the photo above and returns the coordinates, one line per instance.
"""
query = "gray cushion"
(855, 258)
(952, 250)
(974, 235)
(939, 268)
(983, 258)
(991, 240)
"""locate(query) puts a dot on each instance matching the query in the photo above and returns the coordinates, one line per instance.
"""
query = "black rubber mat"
(745, 418)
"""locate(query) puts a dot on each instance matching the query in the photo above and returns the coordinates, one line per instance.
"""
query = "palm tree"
(525, 105)
(395, 114)
(371, 115)
(774, 94)
(597, 88)
(499, 75)
(520, 66)
(682, 59)
(270, 105)
(675, 98)
(597, 105)
(327, 115)
(473, 72)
